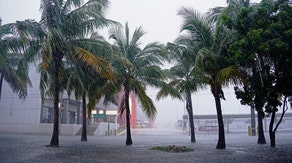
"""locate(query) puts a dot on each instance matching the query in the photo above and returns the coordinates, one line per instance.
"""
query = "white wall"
(21, 116)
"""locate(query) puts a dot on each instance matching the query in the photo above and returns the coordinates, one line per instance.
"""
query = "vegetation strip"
(172, 149)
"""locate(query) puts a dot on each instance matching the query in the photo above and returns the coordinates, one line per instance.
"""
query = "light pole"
(116, 123)
(253, 125)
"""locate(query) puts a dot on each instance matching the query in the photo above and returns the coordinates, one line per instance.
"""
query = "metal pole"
(253, 125)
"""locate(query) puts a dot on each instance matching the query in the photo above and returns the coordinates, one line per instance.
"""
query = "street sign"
(98, 115)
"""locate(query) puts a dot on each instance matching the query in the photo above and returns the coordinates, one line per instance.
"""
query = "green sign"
(98, 115)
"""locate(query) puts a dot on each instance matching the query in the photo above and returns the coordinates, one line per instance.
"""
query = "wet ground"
(240, 148)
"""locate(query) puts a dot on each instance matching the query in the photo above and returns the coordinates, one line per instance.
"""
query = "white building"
(21, 115)
(31, 116)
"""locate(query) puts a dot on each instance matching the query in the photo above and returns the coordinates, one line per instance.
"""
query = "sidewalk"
(240, 148)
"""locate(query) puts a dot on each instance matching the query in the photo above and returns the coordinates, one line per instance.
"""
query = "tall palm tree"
(182, 77)
(86, 82)
(135, 68)
(211, 60)
(64, 22)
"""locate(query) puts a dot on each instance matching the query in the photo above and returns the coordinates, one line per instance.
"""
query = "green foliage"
(265, 35)
(212, 62)
(16, 48)
(71, 43)
(262, 32)
(135, 67)
(182, 77)
(172, 149)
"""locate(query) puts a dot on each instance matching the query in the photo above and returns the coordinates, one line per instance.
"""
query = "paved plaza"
(240, 148)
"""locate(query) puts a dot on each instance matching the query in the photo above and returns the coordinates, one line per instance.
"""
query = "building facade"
(31, 116)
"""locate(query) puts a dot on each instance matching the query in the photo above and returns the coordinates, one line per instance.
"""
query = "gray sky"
(159, 20)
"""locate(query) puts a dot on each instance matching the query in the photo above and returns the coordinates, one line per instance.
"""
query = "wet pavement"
(240, 148)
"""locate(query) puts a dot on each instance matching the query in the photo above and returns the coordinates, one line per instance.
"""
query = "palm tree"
(13, 52)
(86, 82)
(64, 22)
(135, 68)
(182, 76)
(211, 59)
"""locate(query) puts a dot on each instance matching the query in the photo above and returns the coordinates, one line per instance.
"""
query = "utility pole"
(253, 123)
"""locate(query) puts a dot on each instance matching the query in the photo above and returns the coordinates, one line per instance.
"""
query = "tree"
(87, 83)
(266, 31)
(211, 61)
(59, 45)
(275, 49)
(237, 18)
(183, 79)
(13, 51)
(135, 68)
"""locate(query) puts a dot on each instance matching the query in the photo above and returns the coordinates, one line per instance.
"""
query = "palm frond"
(100, 65)
(197, 26)
(207, 61)
(230, 75)
(137, 35)
(168, 89)
(100, 48)
(145, 101)
(214, 14)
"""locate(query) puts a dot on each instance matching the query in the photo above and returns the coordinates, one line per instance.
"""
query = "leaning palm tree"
(64, 22)
(135, 68)
(211, 59)
(182, 77)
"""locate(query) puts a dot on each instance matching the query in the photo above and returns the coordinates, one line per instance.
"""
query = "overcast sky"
(160, 21)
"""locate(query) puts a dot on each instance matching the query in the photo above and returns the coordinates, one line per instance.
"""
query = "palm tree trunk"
(261, 136)
(84, 131)
(221, 134)
(128, 125)
(55, 136)
(189, 108)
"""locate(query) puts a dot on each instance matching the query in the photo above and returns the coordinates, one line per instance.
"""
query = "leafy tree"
(237, 18)
(135, 68)
(266, 32)
(211, 61)
(183, 80)
(275, 47)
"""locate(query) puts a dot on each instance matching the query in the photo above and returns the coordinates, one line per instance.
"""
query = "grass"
(172, 149)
